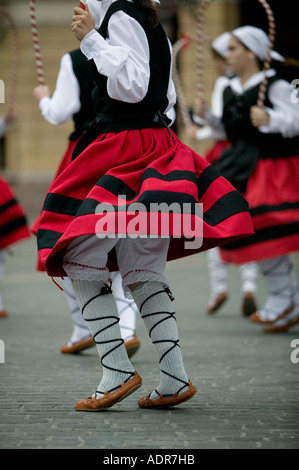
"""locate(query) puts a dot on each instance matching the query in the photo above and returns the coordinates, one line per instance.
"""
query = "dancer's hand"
(83, 22)
(259, 116)
(191, 131)
(40, 92)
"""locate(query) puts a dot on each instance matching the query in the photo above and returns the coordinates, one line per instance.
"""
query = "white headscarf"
(220, 44)
(256, 40)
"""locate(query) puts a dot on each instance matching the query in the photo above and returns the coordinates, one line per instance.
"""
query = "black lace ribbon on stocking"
(174, 343)
(106, 290)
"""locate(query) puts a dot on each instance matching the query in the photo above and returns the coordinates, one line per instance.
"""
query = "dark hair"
(288, 69)
(151, 9)
(216, 54)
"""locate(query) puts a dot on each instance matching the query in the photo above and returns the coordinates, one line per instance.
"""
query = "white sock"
(99, 310)
(156, 310)
(277, 273)
(295, 287)
(293, 315)
(127, 309)
(217, 273)
(80, 327)
(248, 273)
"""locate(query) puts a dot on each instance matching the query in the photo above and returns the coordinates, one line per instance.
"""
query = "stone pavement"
(247, 384)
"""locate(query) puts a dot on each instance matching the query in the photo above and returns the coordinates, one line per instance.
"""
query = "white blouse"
(123, 57)
(284, 116)
(65, 101)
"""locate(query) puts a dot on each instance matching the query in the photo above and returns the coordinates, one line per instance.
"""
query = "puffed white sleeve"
(284, 116)
(123, 57)
(65, 101)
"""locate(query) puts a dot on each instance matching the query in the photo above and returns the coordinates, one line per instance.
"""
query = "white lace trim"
(85, 273)
(139, 275)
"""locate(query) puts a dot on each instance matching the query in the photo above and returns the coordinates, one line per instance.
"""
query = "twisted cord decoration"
(175, 344)
(178, 45)
(36, 44)
(267, 61)
(14, 58)
(200, 40)
(114, 320)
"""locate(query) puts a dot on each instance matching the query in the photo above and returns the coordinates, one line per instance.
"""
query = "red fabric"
(65, 161)
(13, 226)
(214, 152)
(273, 196)
(129, 156)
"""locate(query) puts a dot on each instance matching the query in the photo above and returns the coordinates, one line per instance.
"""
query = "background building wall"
(33, 148)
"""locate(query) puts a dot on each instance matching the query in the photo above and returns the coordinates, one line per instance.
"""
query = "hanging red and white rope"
(36, 44)
(178, 45)
(200, 42)
(14, 57)
(267, 62)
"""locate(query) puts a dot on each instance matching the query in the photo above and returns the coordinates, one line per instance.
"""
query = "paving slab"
(247, 383)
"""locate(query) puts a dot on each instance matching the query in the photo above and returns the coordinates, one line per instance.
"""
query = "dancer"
(72, 100)
(130, 155)
(218, 270)
(265, 141)
(13, 224)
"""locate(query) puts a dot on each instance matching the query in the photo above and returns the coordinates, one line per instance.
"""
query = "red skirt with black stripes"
(65, 161)
(153, 169)
(13, 224)
(273, 196)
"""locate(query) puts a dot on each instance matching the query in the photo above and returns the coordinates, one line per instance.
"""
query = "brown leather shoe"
(249, 304)
(3, 314)
(255, 317)
(132, 345)
(110, 399)
(75, 348)
(220, 299)
(282, 328)
(167, 402)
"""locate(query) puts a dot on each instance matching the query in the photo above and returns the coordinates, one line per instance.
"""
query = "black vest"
(238, 127)
(114, 115)
(83, 71)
